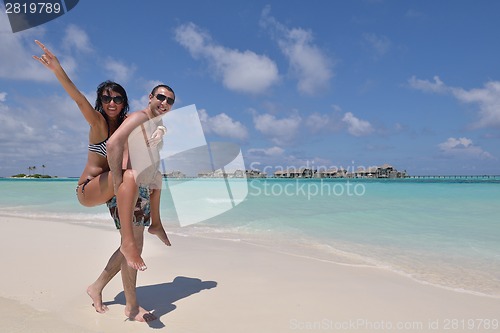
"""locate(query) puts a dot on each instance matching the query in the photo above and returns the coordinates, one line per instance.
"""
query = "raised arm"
(49, 60)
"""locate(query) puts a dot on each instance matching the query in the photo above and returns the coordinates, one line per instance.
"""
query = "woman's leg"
(126, 199)
(156, 227)
(96, 191)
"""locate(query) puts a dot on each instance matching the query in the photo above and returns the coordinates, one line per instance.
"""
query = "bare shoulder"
(100, 126)
(100, 121)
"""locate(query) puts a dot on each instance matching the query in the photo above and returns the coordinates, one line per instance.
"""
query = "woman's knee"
(129, 176)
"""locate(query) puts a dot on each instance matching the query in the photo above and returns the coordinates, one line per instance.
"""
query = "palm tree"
(29, 170)
(43, 168)
(33, 167)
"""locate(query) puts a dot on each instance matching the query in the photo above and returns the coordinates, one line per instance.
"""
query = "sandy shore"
(203, 285)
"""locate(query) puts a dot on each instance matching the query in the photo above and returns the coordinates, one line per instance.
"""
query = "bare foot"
(132, 256)
(96, 297)
(160, 233)
(140, 314)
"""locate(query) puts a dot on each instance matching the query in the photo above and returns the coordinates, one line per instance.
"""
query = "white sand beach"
(206, 285)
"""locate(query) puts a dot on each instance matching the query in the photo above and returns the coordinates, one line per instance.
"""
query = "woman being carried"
(95, 186)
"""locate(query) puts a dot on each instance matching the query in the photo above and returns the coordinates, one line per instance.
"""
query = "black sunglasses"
(161, 98)
(107, 99)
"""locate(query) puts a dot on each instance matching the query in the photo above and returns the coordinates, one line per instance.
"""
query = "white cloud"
(118, 71)
(309, 64)
(223, 125)
(76, 39)
(355, 126)
(149, 84)
(17, 51)
(398, 127)
(453, 143)
(325, 122)
(245, 71)
(317, 122)
(143, 100)
(380, 44)
(50, 132)
(413, 13)
(3, 96)
(16, 60)
(487, 97)
(424, 85)
(281, 131)
(272, 151)
(463, 147)
(13, 127)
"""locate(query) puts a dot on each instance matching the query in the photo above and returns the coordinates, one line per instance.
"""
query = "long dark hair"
(115, 87)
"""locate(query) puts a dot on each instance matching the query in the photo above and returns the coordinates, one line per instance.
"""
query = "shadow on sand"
(161, 297)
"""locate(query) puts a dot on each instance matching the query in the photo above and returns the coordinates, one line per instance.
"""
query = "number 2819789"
(33, 8)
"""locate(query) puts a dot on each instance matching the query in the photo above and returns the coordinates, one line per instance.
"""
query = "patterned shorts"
(141, 210)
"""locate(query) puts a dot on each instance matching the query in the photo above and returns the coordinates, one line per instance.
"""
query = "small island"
(36, 175)
(33, 175)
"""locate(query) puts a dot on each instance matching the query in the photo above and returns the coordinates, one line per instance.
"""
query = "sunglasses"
(107, 99)
(161, 98)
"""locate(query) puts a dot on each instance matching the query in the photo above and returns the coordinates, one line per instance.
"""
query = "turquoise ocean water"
(440, 232)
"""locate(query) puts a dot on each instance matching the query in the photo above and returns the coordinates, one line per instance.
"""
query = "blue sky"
(322, 83)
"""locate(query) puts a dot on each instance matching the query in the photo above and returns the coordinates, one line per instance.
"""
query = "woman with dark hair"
(95, 185)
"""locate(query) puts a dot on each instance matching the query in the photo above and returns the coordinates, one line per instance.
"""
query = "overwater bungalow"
(331, 173)
(370, 172)
(383, 171)
(295, 173)
(174, 174)
(255, 174)
(219, 173)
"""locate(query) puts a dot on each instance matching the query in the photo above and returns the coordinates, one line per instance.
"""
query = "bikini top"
(99, 148)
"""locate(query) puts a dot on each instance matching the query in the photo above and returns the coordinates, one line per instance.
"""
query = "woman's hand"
(48, 59)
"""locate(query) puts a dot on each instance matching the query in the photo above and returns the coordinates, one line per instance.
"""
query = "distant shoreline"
(442, 178)
(34, 176)
(39, 178)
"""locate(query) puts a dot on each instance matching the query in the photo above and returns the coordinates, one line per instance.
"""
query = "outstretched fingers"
(41, 60)
(46, 58)
(44, 48)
